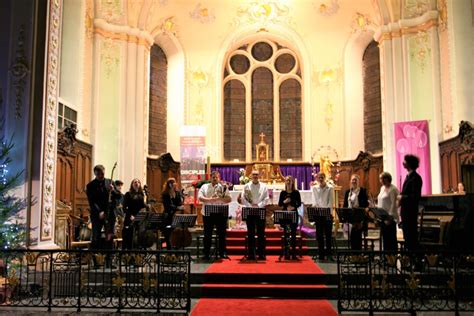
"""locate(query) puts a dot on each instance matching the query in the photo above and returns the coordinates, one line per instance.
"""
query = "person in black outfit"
(290, 200)
(356, 197)
(102, 199)
(409, 199)
(133, 202)
(172, 200)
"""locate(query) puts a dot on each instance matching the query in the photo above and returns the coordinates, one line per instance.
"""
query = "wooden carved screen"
(457, 159)
(368, 167)
(158, 171)
(74, 171)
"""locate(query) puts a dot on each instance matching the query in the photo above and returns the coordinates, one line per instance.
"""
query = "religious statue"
(326, 165)
(262, 149)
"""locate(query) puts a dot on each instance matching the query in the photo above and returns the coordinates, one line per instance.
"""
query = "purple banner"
(413, 138)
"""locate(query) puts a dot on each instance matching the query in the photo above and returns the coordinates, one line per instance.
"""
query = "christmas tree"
(12, 227)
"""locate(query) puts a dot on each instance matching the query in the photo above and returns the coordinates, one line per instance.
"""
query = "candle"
(296, 184)
(302, 185)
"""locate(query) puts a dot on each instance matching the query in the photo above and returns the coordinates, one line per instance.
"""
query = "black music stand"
(285, 219)
(380, 213)
(257, 213)
(319, 215)
(140, 217)
(156, 221)
(217, 211)
(349, 215)
(184, 221)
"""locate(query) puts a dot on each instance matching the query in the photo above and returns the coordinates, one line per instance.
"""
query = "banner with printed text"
(193, 153)
(413, 138)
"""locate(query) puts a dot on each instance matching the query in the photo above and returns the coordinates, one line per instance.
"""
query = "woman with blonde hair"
(290, 200)
(133, 202)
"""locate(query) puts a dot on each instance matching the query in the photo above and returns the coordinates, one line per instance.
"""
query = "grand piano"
(447, 221)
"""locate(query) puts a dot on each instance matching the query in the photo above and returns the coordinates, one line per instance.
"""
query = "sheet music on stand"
(350, 215)
(285, 217)
(380, 213)
(141, 216)
(216, 210)
(258, 212)
(184, 220)
(319, 213)
(156, 220)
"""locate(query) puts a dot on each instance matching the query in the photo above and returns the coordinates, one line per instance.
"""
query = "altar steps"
(242, 285)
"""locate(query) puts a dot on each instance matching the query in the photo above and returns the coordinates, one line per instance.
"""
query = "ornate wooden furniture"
(457, 159)
(158, 171)
(74, 171)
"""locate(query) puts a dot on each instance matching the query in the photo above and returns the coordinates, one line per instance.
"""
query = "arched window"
(372, 99)
(158, 101)
(262, 94)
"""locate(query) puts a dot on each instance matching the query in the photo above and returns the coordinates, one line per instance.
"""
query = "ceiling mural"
(327, 8)
(202, 14)
(415, 8)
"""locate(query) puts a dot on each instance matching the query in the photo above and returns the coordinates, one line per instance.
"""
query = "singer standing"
(290, 200)
(255, 194)
(172, 200)
(387, 200)
(409, 199)
(356, 197)
(323, 196)
(133, 202)
(102, 199)
(214, 193)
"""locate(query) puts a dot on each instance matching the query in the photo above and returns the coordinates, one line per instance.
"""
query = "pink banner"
(413, 138)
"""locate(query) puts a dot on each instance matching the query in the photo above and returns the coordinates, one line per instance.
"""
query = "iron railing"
(157, 280)
(405, 282)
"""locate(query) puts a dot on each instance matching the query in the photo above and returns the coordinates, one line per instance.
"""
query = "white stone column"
(406, 47)
(131, 85)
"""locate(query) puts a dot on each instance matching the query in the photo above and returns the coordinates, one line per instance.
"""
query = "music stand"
(349, 215)
(285, 219)
(257, 213)
(380, 213)
(184, 221)
(217, 212)
(155, 222)
(140, 217)
(319, 215)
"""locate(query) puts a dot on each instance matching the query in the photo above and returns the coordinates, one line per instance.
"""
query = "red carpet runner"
(263, 306)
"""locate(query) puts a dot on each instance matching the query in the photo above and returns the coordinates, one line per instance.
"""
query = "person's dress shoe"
(224, 256)
(251, 258)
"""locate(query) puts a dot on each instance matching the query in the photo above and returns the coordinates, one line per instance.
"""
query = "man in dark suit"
(409, 199)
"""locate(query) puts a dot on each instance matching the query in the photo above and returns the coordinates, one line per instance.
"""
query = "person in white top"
(323, 196)
(214, 193)
(255, 194)
(387, 200)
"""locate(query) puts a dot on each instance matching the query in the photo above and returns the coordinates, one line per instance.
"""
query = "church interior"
(160, 90)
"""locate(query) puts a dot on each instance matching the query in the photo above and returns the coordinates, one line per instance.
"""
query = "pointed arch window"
(262, 89)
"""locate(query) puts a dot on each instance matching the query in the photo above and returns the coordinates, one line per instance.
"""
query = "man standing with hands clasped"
(323, 197)
(255, 195)
(214, 193)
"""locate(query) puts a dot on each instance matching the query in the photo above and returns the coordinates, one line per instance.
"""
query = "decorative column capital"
(407, 26)
(123, 33)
